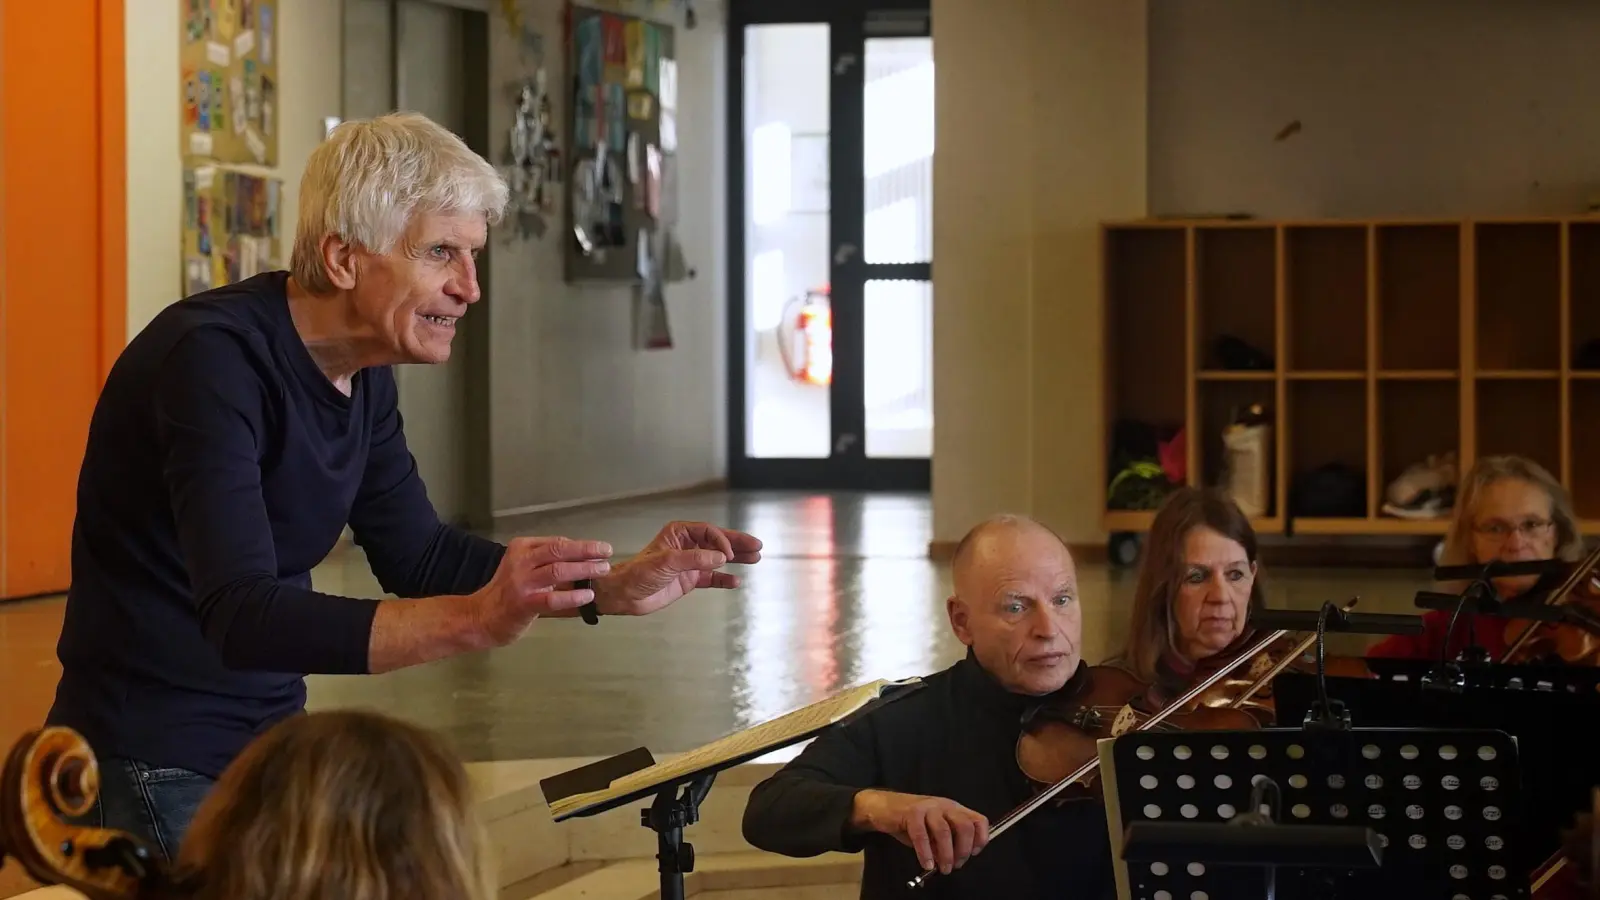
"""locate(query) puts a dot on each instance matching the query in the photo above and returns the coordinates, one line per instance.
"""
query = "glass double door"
(831, 240)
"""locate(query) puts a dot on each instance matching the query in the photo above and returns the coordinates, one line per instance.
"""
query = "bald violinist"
(918, 784)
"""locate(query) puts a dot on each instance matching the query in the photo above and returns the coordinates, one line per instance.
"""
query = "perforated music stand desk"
(1443, 806)
(635, 775)
(1544, 708)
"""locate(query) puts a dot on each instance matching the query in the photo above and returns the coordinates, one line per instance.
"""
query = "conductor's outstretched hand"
(684, 556)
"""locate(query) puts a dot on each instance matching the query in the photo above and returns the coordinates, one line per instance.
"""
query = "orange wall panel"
(63, 281)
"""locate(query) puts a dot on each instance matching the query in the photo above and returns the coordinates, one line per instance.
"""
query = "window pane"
(899, 368)
(788, 320)
(898, 144)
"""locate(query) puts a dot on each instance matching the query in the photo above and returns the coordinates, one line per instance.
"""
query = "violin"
(1570, 873)
(49, 776)
(1057, 742)
(1065, 743)
(1575, 639)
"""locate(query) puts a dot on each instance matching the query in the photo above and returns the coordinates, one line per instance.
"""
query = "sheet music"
(751, 742)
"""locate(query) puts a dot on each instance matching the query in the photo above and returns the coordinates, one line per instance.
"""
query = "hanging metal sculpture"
(535, 159)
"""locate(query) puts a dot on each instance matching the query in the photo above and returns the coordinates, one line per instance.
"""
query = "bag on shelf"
(1247, 447)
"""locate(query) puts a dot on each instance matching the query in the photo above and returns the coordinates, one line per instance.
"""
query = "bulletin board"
(229, 80)
(622, 171)
(231, 226)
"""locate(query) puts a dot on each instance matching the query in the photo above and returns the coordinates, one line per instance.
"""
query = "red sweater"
(1488, 632)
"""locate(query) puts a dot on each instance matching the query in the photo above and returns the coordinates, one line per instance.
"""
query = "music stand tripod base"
(1445, 806)
(672, 812)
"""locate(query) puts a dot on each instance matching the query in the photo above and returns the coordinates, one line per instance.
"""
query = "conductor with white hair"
(243, 429)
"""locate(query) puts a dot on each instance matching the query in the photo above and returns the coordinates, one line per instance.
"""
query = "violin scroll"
(51, 776)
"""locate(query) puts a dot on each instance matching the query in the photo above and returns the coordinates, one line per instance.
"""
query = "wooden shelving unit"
(1390, 341)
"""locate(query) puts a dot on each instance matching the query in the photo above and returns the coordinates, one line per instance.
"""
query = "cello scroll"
(50, 776)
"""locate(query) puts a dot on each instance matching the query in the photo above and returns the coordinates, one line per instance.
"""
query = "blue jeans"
(154, 805)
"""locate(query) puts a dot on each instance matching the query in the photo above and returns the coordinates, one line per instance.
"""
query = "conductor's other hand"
(684, 556)
(942, 832)
(527, 584)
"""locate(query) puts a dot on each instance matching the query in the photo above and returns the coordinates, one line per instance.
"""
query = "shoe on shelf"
(1425, 490)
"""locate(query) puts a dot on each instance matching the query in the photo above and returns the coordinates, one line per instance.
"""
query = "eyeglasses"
(1528, 528)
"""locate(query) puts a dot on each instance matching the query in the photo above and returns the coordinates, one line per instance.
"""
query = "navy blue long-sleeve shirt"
(222, 465)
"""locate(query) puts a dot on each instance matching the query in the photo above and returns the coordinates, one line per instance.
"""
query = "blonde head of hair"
(1486, 470)
(339, 805)
(371, 177)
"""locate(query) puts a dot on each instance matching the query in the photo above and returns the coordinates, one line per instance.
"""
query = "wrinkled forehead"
(1027, 566)
(1205, 548)
(466, 230)
(1509, 499)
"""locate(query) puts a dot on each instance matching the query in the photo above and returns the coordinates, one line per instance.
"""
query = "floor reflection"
(844, 595)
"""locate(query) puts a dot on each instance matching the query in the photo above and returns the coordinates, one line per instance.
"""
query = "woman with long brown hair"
(1508, 508)
(1198, 584)
(339, 805)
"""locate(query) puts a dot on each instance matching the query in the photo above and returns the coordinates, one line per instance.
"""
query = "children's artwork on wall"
(623, 136)
(228, 76)
(231, 227)
(534, 157)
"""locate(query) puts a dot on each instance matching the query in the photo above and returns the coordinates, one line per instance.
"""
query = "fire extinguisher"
(805, 337)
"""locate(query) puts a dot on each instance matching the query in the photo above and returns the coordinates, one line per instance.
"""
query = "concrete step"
(717, 876)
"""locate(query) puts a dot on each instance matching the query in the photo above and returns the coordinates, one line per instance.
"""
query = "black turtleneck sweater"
(955, 739)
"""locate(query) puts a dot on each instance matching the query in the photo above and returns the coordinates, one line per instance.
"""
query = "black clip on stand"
(1449, 675)
(667, 817)
(1327, 713)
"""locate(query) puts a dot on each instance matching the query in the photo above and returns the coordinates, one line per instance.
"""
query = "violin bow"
(1559, 597)
(51, 775)
(1046, 795)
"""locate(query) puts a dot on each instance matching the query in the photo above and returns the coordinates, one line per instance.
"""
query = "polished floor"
(845, 594)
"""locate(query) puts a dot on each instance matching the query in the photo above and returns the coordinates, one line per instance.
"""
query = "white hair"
(371, 177)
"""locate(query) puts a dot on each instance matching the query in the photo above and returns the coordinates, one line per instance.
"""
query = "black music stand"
(1443, 806)
(605, 785)
(1327, 712)
(1557, 772)
(1479, 596)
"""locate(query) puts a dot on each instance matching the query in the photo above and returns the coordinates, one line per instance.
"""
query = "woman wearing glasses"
(1510, 509)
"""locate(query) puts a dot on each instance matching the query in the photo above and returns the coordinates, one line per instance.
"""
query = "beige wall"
(576, 409)
(309, 56)
(1421, 107)
(1041, 134)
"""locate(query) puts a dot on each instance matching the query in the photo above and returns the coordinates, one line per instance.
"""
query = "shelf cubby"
(1583, 298)
(1326, 302)
(1388, 342)
(1327, 426)
(1419, 297)
(1518, 296)
(1236, 290)
(1417, 419)
(1519, 417)
(1584, 447)
(1146, 311)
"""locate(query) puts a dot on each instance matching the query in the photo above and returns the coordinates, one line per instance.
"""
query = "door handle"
(843, 254)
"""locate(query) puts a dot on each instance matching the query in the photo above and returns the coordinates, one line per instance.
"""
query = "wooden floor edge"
(1298, 555)
(707, 486)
